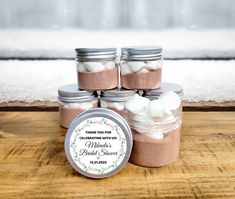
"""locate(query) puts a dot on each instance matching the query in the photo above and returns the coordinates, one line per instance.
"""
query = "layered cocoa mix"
(142, 80)
(67, 115)
(151, 152)
(106, 79)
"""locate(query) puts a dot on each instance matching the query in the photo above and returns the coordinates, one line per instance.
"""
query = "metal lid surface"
(118, 94)
(92, 54)
(98, 143)
(71, 93)
(165, 86)
(141, 53)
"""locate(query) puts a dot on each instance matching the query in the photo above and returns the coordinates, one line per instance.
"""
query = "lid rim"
(138, 53)
(76, 100)
(96, 53)
(118, 95)
(72, 91)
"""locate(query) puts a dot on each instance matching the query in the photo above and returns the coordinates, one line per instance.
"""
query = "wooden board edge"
(53, 106)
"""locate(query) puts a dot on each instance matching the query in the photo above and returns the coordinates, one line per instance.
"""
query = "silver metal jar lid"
(70, 93)
(117, 95)
(141, 53)
(98, 143)
(93, 54)
(165, 86)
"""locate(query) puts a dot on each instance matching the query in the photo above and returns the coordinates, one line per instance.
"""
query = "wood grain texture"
(33, 163)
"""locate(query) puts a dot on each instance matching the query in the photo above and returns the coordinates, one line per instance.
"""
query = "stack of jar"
(114, 83)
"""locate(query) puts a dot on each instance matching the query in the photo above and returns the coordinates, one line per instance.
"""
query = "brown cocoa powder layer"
(68, 114)
(138, 80)
(107, 79)
(150, 152)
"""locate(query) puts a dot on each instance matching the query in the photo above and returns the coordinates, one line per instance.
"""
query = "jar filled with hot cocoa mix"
(97, 68)
(155, 128)
(115, 99)
(141, 67)
(73, 101)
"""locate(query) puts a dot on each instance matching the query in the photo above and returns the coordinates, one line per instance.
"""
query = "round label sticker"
(97, 145)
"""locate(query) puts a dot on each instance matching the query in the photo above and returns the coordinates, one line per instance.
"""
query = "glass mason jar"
(165, 87)
(156, 141)
(141, 67)
(115, 99)
(97, 68)
(73, 101)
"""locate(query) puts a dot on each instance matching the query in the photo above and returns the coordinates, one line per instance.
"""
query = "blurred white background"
(116, 14)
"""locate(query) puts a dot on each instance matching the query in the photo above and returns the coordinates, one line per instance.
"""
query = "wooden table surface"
(33, 163)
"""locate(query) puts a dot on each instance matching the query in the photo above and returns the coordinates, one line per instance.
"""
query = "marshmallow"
(109, 65)
(153, 65)
(86, 105)
(94, 66)
(156, 108)
(137, 104)
(142, 125)
(158, 135)
(104, 104)
(140, 117)
(140, 129)
(118, 106)
(143, 70)
(144, 112)
(72, 105)
(136, 65)
(125, 69)
(169, 118)
(159, 110)
(81, 67)
(171, 100)
(142, 121)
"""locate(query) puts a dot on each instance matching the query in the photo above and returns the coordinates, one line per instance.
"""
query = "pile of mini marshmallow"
(153, 117)
(139, 66)
(82, 105)
(95, 66)
(117, 105)
(126, 67)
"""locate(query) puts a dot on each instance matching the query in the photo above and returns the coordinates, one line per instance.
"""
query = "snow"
(38, 80)
(177, 43)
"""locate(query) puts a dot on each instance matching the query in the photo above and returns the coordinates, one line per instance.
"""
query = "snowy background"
(177, 43)
(38, 80)
(198, 38)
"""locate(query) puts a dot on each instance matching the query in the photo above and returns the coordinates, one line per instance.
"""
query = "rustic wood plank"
(33, 164)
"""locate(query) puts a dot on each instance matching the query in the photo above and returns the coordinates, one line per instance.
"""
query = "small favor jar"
(97, 68)
(155, 129)
(73, 101)
(141, 67)
(115, 99)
